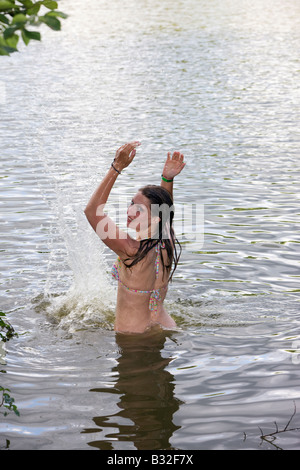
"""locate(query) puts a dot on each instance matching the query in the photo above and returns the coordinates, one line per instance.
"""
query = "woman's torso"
(141, 292)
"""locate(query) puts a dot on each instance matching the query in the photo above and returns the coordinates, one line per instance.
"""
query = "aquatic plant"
(17, 15)
(7, 332)
(8, 402)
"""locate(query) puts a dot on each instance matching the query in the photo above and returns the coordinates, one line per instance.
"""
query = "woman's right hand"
(125, 155)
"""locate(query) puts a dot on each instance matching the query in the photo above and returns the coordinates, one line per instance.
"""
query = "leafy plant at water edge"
(7, 332)
(8, 402)
(17, 15)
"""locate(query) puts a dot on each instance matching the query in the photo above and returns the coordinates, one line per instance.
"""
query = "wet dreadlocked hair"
(162, 206)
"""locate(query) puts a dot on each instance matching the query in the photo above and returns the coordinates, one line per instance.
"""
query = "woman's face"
(139, 214)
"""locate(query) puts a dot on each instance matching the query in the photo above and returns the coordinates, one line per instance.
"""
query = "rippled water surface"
(218, 80)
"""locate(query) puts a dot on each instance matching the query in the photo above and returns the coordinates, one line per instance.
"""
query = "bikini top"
(155, 293)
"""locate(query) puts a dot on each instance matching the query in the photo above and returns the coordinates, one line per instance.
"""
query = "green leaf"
(60, 14)
(3, 19)
(8, 402)
(9, 32)
(52, 22)
(50, 4)
(6, 5)
(24, 37)
(6, 50)
(12, 42)
(7, 46)
(19, 18)
(26, 3)
(28, 35)
(33, 35)
(34, 9)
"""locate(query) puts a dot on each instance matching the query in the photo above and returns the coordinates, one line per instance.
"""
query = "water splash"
(78, 291)
(89, 300)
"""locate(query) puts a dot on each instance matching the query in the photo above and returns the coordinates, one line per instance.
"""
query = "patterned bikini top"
(155, 293)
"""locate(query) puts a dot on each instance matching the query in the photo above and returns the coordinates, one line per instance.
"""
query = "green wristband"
(165, 179)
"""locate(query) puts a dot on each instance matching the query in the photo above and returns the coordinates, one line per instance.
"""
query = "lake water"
(218, 80)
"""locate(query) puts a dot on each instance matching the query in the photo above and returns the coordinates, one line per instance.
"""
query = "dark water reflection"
(147, 401)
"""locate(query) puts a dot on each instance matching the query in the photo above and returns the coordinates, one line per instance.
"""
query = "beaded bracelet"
(165, 179)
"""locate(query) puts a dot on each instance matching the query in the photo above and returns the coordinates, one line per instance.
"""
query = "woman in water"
(144, 265)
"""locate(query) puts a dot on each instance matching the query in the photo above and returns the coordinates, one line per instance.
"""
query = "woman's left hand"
(125, 155)
(174, 165)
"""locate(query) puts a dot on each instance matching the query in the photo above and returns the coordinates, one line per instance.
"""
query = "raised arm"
(94, 211)
(173, 166)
